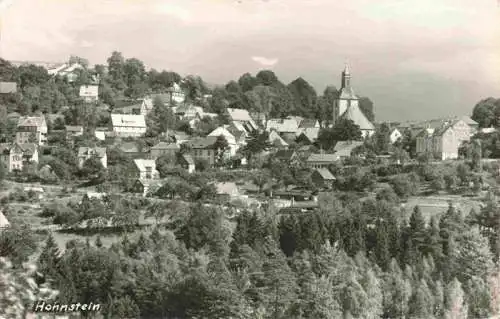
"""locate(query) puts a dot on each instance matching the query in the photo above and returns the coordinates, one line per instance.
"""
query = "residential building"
(343, 149)
(309, 123)
(204, 149)
(146, 169)
(286, 128)
(322, 177)
(347, 106)
(242, 117)
(132, 149)
(73, 131)
(85, 153)
(305, 151)
(89, 93)
(322, 160)
(32, 129)
(176, 94)
(164, 148)
(8, 87)
(100, 133)
(146, 106)
(277, 141)
(147, 186)
(228, 190)
(15, 155)
(66, 70)
(308, 135)
(128, 125)
(232, 136)
(443, 142)
(395, 135)
(4, 223)
(472, 124)
(187, 163)
(289, 157)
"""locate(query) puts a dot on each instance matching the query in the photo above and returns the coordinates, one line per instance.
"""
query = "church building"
(347, 106)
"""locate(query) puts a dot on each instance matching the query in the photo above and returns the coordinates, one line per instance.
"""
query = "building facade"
(443, 142)
(128, 125)
(85, 153)
(31, 129)
(14, 156)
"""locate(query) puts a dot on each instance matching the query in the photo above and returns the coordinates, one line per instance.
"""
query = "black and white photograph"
(249, 159)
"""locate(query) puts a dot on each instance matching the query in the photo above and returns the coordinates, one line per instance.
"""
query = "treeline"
(351, 259)
(127, 78)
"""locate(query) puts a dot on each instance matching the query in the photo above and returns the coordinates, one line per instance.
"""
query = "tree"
(266, 77)
(484, 112)
(325, 105)
(346, 130)
(116, 72)
(92, 168)
(366, 106)
(382, 139)
(221, 147)
(455, 303)
(305, 98)
(257, 142)
(261, 100)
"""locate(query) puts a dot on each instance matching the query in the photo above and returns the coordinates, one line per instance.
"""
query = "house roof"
(3, 221)
(226, 188)
(308, 123)
(202, 142)
(325, 174)
(344, 148)
(237, 133)
(89, 91)
(241, 115)
(354, 114)
(128, 120)
(141, 164)
(70, 128)
(188, 158)
(311, 133)
(8, 87)
(275, 138)
(223, 130)
(147, 103)
(283, 125)
(86, 151)
(468, 120)
(165, 146)
(31, 121)
(284, 154)
(323, 158)
(175, 87)
(28, 148)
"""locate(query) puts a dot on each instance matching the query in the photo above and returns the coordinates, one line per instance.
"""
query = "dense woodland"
(360, 255)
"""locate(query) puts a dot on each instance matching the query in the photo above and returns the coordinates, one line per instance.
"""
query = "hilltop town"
(242, 196)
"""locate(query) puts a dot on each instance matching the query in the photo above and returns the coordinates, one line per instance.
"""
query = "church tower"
(346, 98)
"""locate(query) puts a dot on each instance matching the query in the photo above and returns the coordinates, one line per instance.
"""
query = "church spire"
(346, 77)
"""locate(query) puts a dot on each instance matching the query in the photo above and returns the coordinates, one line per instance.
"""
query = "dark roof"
(284, 154)
(129, 147)
(201, 143)
(308, 123)
(325, 174)
(165, 146)
(99, 151)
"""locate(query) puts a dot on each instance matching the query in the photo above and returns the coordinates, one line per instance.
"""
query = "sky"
(414, 59)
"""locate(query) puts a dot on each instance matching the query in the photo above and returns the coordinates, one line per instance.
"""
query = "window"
(149, 171)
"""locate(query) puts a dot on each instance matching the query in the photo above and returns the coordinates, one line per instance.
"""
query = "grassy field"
(437, 205)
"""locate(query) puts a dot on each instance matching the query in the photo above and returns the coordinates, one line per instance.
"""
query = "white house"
(128, 125)
(89, 93)
(230, 138)
(176, 93)
(85, 153)
(241, 116)
(146, 169)
(14, 156)
(395, 135)
(31, 129)
(4, 223)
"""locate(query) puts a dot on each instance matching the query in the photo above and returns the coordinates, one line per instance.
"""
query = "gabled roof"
(344, 148)
(128, 120)
(284, 154)
(90, 151)
(141, 164)
(31, 121)
(188, 159)
(275, 138)
(241, 115)
(28, 148)
(309, 123)
(25, 148)
(223, 130)
(203, 142)
(311, 133)
(347, 94)
(8, 87)
(3, 221)
(165, 146)
(325, 174)
(175, 87)
(323, 158)
(147, 103)
(283, 125)
(354, 114)
(129, 147)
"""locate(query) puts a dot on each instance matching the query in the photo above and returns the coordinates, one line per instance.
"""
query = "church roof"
(354, 114)
(347, 94)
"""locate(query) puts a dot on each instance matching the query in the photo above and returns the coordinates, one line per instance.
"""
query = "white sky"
(414, 59)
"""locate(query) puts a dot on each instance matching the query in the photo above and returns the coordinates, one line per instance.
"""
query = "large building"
(32, 129)
(443, 141)
(128, 125)
(347, 106)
